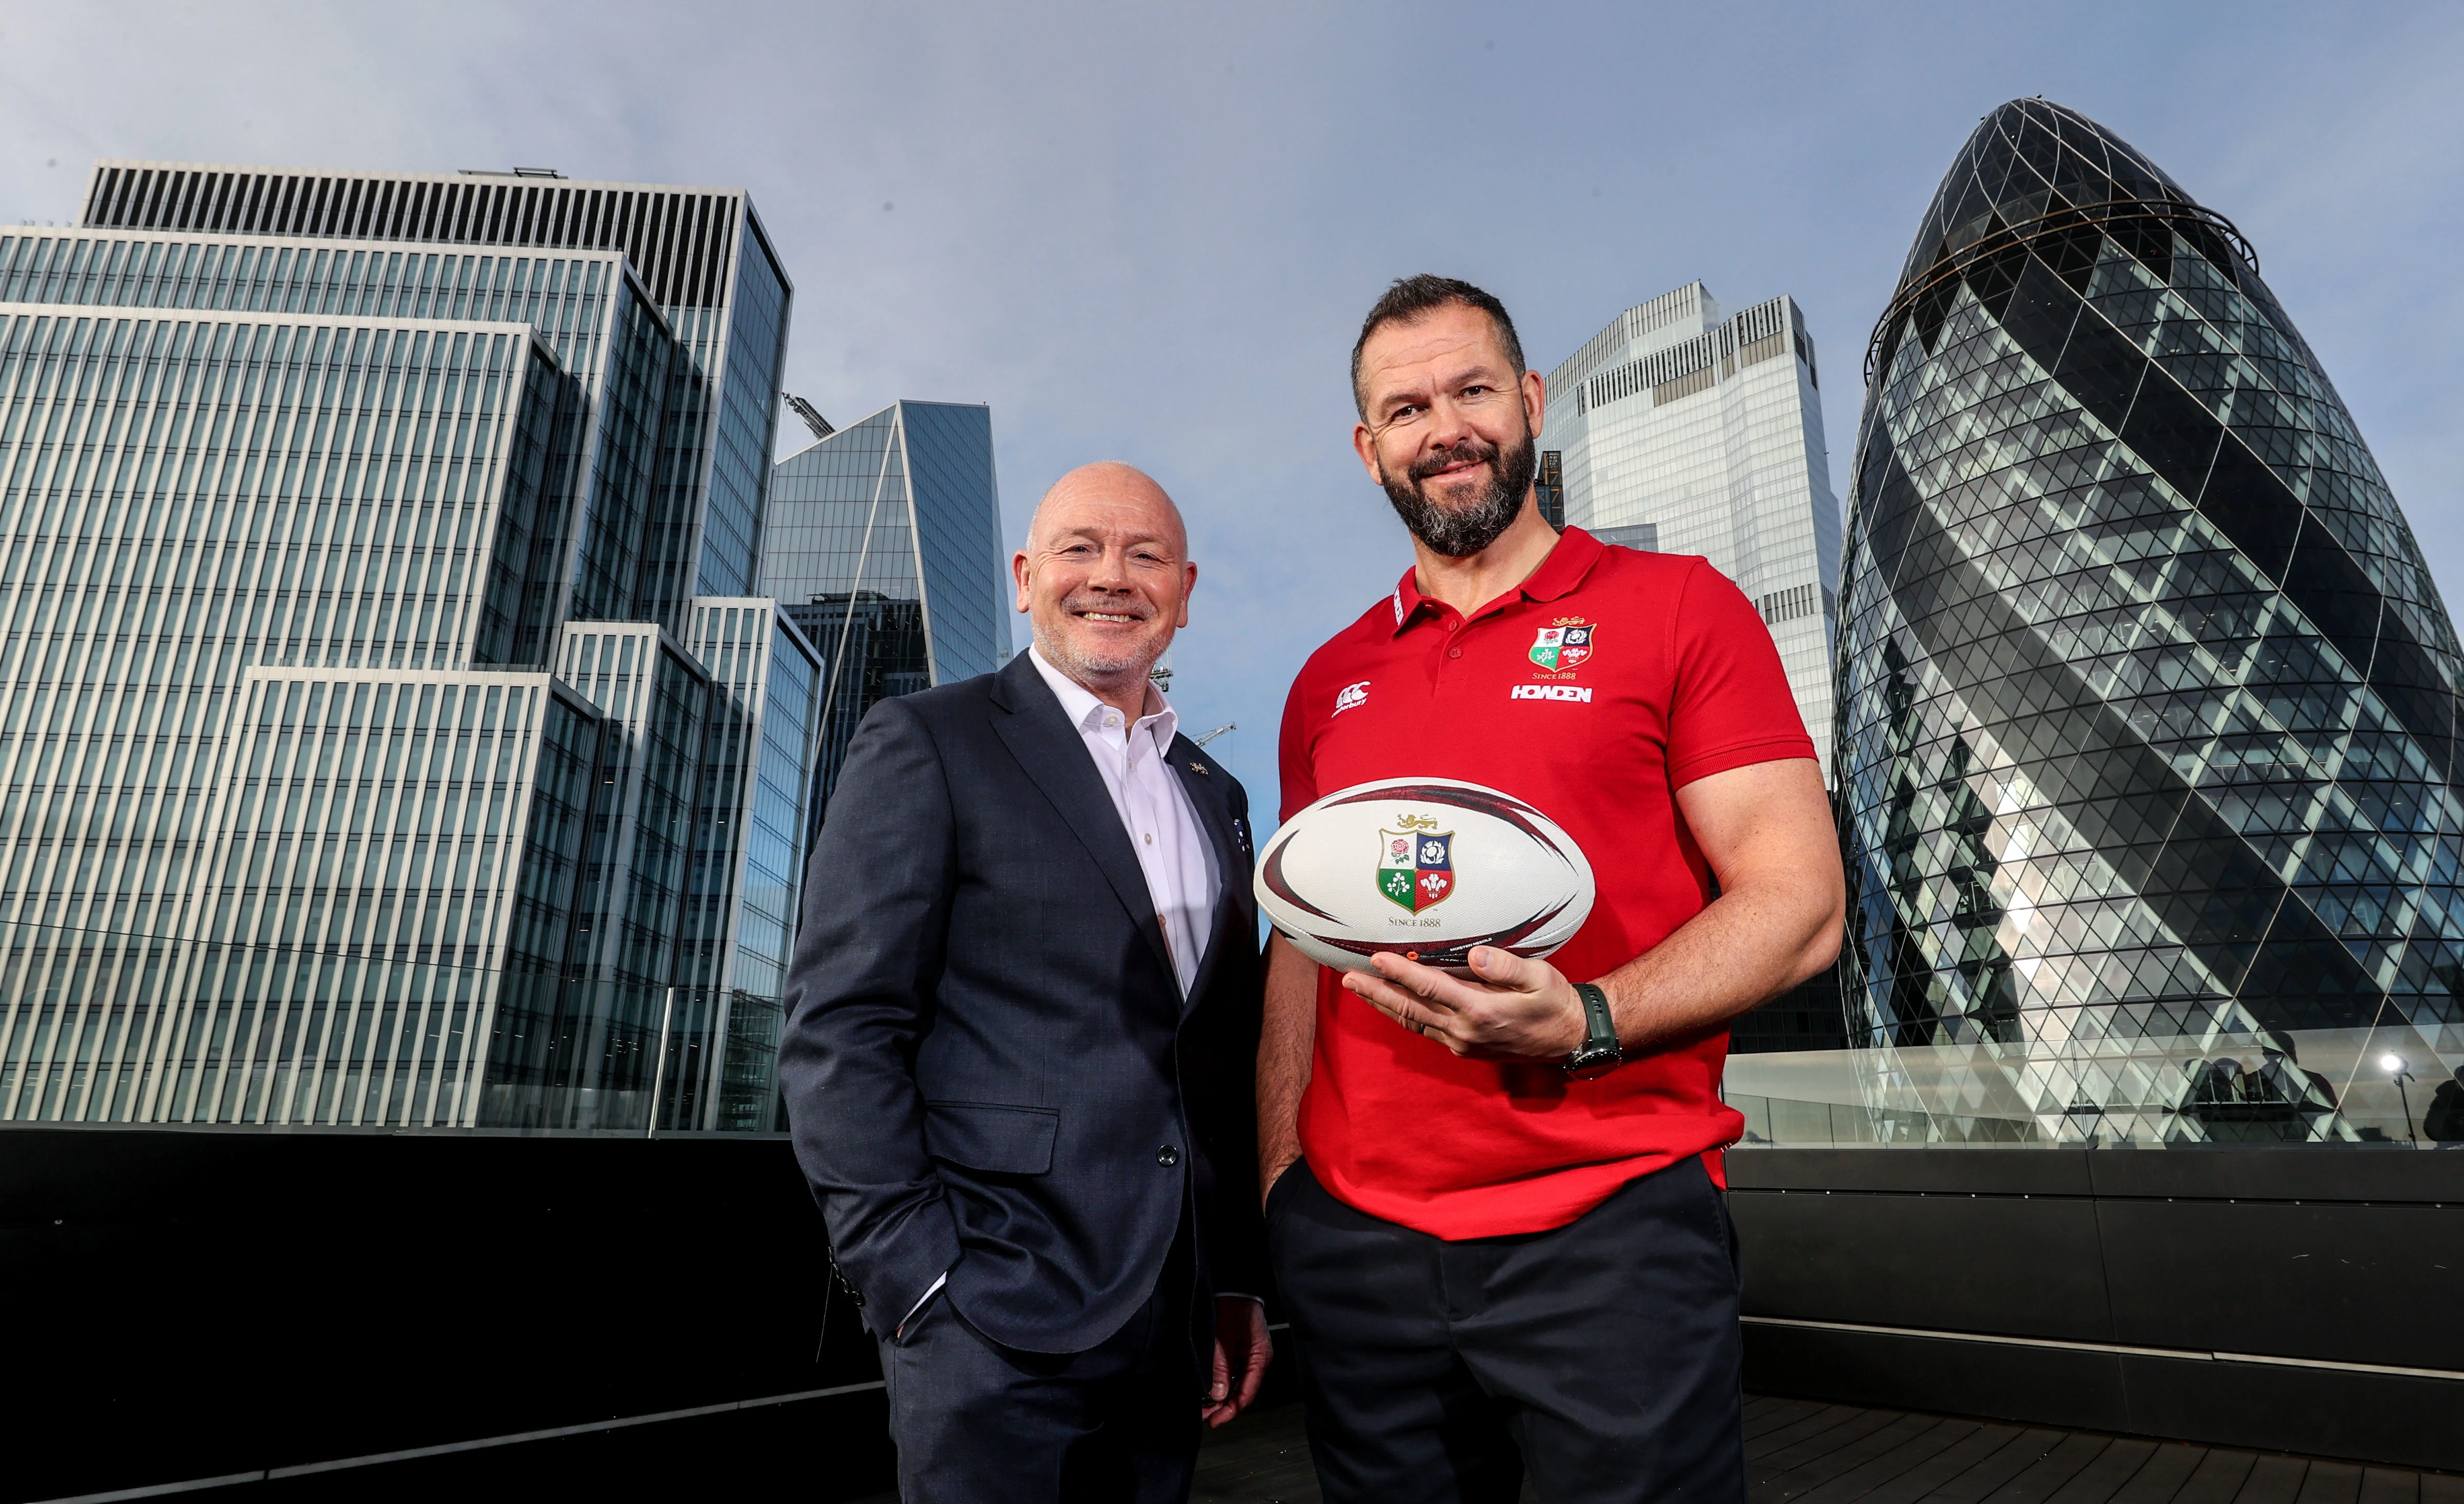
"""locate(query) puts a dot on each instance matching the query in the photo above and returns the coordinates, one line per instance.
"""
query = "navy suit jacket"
(989, 1065)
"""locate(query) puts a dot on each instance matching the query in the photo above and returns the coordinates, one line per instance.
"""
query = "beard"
(1098, 663)
(1464, 529)
(1102, 661)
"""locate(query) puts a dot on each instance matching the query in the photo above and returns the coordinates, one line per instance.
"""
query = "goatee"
(1460, 531)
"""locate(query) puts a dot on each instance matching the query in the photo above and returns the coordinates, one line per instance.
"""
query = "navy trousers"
(1603, 1356)
(977, 1422)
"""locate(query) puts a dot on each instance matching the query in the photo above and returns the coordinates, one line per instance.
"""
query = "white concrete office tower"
(1684, 431)
(382, 712)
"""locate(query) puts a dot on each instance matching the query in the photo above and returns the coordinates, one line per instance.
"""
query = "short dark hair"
(1411, 298)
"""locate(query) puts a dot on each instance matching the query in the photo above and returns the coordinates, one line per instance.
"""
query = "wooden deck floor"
(1800, 1451)
(1806, 1452)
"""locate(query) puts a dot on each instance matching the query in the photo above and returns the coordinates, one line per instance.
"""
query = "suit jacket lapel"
(1232, 870)
(1040, 736)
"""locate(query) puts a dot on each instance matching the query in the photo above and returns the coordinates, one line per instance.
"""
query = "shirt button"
(1151, 838)
(1168, 1155)
(1453, 653)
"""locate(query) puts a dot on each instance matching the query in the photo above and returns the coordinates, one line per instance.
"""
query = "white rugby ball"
(1425, 867)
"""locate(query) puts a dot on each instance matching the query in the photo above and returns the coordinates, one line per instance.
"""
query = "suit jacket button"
(1167, 1156)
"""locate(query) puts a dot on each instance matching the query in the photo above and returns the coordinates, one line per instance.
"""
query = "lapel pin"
(1197, 767)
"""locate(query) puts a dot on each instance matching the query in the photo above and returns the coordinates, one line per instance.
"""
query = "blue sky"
(1147, 231)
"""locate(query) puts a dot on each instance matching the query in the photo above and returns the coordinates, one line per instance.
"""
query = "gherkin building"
(2148, 707)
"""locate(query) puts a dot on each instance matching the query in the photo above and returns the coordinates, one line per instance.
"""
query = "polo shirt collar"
(1564, 569)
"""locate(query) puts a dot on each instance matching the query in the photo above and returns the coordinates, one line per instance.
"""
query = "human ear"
(1365, 443)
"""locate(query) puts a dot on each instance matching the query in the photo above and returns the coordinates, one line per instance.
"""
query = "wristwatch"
(1599, 1052)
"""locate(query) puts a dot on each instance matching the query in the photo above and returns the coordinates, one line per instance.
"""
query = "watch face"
(1592, 1062)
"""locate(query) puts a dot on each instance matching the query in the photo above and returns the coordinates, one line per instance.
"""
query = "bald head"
(1108, 483)
(1106, 577)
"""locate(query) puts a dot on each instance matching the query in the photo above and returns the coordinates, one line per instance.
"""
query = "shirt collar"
(1086, 713)
(1568, 562)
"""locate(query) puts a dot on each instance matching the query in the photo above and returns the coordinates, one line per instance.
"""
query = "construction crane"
(813, 420)
(1212, 734)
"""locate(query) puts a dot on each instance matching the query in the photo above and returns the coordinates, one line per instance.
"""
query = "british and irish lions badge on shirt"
(1562, 647)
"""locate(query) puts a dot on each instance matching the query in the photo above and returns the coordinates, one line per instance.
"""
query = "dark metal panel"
(1992, 1172)
(2028, 1268)
(2368, 1417)
(2292, 1173)
(2236, 1172)
(159, 1254)
(2343, 1283)
(2040, 1386)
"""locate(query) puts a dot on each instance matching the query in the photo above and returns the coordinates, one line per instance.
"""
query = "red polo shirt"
(1603, 684)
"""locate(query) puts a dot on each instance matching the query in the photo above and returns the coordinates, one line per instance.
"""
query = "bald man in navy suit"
(1021, 1049)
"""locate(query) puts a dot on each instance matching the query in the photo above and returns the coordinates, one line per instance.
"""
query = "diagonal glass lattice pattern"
(2148, 702)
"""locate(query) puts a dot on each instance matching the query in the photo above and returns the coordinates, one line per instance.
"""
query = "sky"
(1147, 231)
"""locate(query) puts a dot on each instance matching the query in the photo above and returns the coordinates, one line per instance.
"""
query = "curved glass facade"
(2147, 703)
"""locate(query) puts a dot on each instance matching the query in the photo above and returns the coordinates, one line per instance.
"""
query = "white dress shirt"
(1174, 852)
(1155, 809)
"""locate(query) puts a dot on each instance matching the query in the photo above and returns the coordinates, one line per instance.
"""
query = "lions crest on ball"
(1415, 866)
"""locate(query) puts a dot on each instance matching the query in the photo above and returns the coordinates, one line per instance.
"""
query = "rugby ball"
(1425, 867)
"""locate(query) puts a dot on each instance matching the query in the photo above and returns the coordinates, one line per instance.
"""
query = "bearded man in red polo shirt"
(1496, 1263)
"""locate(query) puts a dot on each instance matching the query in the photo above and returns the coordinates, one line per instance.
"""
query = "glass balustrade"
(2350, 1086)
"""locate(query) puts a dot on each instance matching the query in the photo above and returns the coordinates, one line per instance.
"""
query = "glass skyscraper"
(700, 257)
(885, 548)
(2149, 707)
(390, 725)
(1678, 429)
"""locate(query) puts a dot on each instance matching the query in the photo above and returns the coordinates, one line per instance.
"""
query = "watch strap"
(1599, 1022)
(1599, 1052)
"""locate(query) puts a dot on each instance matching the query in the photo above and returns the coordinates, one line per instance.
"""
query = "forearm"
(1747, 947)
(1766, 830)
(1287, 1036)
